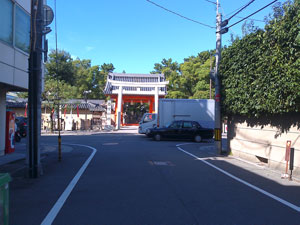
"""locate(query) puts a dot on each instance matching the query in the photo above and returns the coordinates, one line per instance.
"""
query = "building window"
(6, 21)
(22, 30)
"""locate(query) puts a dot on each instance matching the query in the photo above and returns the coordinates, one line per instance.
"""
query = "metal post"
(119, 108)
(34, 86)
(59, 136)
(292, 162)
(210, 83)
(218, 130)
(58, 99)
(85, 98)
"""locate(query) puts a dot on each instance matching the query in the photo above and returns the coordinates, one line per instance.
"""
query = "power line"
(184, 17)
(235, 10)
(252, 14)
(211, 2)
(251, 19)
(249, 3)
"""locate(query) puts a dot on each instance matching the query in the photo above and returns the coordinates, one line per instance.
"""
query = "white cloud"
(74, 57)
(89, 48)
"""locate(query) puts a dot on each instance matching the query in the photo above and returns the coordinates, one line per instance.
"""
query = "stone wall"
(264, 142)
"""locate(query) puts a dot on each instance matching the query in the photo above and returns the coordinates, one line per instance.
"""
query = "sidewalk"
(18, 154)
(125, 129)
(21, 151)
(20, 148)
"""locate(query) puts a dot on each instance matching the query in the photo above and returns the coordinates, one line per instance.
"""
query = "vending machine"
(10, 132)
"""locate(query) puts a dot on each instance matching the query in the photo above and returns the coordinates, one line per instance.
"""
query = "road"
(130, 179)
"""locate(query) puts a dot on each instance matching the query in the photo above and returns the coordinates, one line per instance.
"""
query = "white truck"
(200, 110)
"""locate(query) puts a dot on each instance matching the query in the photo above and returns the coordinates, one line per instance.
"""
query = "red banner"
(65, 110)
(25, 113)
(77, 111)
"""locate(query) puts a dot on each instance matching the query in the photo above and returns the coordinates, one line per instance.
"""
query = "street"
(130, 179)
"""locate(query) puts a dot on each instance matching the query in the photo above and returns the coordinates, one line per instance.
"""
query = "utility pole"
(41, 16)
(34, 86)
(218, 122)
(210, 81)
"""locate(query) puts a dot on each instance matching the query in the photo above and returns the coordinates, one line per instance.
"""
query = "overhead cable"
(211, 2)
(251, 19)
(195, 21)
(252, 14)
(234, 11)
(241, 9)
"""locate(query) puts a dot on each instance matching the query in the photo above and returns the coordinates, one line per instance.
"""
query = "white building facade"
(14, 53)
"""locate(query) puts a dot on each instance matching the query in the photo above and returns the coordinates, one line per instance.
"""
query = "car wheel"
(157, 137)
(198, 138)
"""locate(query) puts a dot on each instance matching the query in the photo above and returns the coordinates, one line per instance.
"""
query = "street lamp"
(85, 98)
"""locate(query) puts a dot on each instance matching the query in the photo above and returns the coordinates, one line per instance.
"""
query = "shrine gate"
(142, 89)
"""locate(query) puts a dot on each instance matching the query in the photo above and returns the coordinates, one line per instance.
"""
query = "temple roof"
(91, 104)
(139, 84)
(136, 75)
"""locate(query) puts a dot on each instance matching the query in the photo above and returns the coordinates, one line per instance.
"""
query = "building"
(76, 114)
(141, 90)
(14, 53)
(83, 114)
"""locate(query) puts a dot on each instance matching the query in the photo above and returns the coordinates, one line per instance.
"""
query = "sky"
(133, 35)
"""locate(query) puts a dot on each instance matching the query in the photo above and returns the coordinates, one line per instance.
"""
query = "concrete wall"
(265, 144)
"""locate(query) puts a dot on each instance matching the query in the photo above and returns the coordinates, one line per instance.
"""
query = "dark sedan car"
(182, 129)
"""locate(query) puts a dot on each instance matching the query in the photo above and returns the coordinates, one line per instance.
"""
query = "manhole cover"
(161, 163)
(110, 144)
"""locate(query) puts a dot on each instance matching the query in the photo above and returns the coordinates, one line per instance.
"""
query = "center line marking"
(60, 202)
(282, 201)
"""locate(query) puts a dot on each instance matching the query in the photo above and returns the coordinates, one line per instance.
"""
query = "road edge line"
(282, 201)
(60, 202)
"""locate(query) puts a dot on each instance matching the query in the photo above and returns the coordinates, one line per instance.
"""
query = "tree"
(61, 67)
(195, 75)
(75, 76)
(260, 72)
(172, 73)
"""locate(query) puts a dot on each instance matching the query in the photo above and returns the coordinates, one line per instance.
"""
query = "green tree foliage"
(195, 75)
(63, 70)
(74, 76)
(189, 79)
(172, 73)
(88, 78)
(66, 91)
(260, 72)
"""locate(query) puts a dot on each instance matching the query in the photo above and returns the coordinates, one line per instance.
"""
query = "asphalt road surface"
(130, 179)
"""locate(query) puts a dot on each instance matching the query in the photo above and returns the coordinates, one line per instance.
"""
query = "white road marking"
(110, 143)
(60, 202)
(243, 182)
